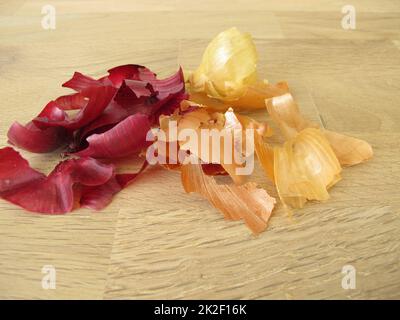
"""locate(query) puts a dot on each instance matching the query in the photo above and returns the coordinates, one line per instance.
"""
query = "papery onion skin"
(79, 82)
(253, 99)
(163, 96)
(58, 193)
(246, 202)
(99, 98)
(198, 119)
(255, 95)
(126, 138)
(305, 167)
(98, 197)
(115, 112)
(349, 150)
(52, 194)
(100, 104)
(15, 171)
(227, 75)
(127, 103)
(112, 114)
(263, 151)
(285, 113)
(265, 155)
(33, 138)
(72, 101)
(229, 125)
(228, 66)
(112, 131)
(129, 71)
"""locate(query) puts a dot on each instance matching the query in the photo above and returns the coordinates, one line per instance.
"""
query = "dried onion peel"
(246, 202)
(285, 113)
(228, 125)
(114, 112)
(228, 66)
(227, 75)
(305, 167)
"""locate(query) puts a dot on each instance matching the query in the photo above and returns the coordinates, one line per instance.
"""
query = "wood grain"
(154, 241)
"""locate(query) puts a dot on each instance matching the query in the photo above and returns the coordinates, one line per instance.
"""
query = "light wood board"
(155, 241)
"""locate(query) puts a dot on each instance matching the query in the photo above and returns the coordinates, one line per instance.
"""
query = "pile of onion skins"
(113, 114)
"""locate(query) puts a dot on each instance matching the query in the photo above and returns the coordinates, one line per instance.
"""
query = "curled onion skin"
(305, 167)
(230, 143)
(73, 182)
(34, 138)
(286, 114)
(263, 150)
(227, 75)
(246, 202)
(114, 113)
(126, 138)
(228, 66)
(100, 104)
(253, 98)
(99, 98)
(349, 150)
(52, 194)
(98, 197)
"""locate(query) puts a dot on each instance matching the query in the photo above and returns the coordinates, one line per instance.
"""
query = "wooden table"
(154, 241)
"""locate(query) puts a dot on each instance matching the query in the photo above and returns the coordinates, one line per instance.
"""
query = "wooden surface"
(154, 241)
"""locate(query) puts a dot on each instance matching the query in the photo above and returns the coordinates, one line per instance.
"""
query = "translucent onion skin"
(305, 167)
(235, 125)
(265, 155)
(260, 130)
(246, 202)
(115, 112)
(253, 98)
(263, 151)
(198, 119)
(349, 150)
(228, 66)
(256, 93)
(286, 114)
